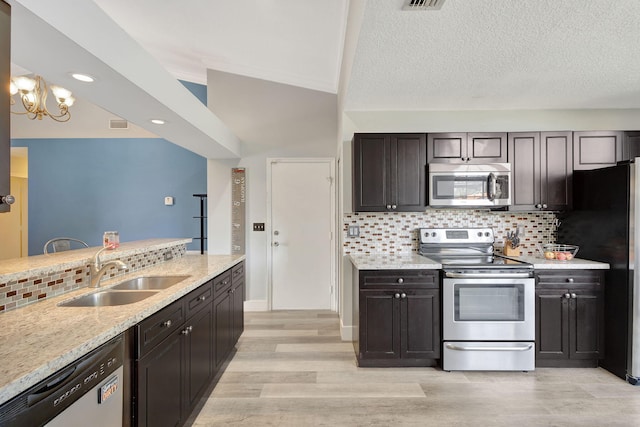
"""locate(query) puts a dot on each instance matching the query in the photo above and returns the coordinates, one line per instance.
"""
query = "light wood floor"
(292, 369)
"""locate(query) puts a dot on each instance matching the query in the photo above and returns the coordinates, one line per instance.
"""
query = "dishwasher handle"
(487, 276)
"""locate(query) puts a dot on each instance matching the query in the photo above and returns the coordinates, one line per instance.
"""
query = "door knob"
(276, 244)
(8, 199)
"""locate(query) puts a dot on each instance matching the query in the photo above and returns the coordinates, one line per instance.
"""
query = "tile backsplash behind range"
(396, 232)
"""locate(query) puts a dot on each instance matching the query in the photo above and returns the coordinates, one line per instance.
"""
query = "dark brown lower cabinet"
(399, 318)
(569, 318)
(180, 348)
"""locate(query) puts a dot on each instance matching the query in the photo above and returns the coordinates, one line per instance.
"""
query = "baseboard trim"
(256, 305)
(347, 332)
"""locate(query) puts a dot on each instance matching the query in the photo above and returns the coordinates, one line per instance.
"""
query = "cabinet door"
(237, 309)
(524, 157)
(552, 324)
(487, 147)
(379, 324)
(370, 172)
(446, 147)
(586, 323)
(223, 327)
(408, 166)
(596, 149)
(556, 183)
(160, 382)
(199, 356)
(420, 324)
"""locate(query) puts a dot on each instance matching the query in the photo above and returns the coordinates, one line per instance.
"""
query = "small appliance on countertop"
(488, 302)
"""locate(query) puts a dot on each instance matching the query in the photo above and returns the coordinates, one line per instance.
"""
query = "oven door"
(469, 189)
(493, 308)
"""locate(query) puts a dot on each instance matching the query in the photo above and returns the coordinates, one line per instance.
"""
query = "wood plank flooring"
(292, 369)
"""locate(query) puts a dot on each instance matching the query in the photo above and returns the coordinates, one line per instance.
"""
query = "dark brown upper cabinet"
(389, 172)
(541, 166)
(596, 149)
(487, 147)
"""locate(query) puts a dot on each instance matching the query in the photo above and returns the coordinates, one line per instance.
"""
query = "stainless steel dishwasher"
(87, 392)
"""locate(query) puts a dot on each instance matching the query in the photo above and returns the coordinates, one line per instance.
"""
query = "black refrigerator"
(604, 223)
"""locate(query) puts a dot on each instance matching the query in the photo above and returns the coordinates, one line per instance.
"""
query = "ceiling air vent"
(118, 124)
(423, 5)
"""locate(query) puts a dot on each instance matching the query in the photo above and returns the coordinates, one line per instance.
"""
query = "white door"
(302, 205)
(14, 224)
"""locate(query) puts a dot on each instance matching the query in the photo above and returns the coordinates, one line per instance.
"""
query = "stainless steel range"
(488, 302)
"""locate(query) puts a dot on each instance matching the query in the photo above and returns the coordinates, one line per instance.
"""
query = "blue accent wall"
(83, 187)
(200, 91)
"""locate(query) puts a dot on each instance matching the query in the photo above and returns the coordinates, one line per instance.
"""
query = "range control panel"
(456, 235)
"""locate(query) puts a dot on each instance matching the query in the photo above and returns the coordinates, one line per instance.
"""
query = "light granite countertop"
(380, 261)
(42, 338)
(574, 264)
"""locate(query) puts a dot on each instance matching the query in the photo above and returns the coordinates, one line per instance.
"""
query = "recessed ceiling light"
(83, 77)
(157, 121)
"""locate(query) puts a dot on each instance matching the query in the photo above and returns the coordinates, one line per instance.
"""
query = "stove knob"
(479, 233)
(433, 234)
(486, 234)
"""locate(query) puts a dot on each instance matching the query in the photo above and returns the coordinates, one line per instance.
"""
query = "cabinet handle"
(544, 206)
(166, 324)
(538, 206)
(187, 330)
(573, 295)
(403, 295)
(567, 295)
(570, 280)
(202, 298)
(388, 207)
(396, 296)
(393, 206)
(401, 280)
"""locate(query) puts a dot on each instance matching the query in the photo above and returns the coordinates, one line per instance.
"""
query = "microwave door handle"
(491, 188)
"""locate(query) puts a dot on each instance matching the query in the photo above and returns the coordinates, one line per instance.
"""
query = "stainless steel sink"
(148, 283)
(107, 298)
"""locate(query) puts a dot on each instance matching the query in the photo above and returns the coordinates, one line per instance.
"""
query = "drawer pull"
(570, 280)
(573, 295)
(166, 323)
(401, 280)
(187, 330)
(396, 296)
(567, 295)
(403, 295)
(202, 298)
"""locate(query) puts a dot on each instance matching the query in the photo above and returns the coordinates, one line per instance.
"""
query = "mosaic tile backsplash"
(396, 232)
(18, 293)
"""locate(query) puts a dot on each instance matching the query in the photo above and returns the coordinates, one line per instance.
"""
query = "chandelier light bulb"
(33, 95)
(24, 83)
(13, 89)
(60, 92)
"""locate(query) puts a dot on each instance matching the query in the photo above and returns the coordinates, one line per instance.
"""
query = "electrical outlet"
(353, 231)
(258, 226)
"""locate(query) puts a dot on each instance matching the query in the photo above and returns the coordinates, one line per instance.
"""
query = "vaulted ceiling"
(469, 55)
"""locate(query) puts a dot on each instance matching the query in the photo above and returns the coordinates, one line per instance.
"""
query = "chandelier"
(33, 94)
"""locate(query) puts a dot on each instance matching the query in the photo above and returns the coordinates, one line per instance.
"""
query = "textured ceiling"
(498, 54)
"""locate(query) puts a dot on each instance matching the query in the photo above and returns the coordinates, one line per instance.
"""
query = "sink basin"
(148, 283)
(107, 298)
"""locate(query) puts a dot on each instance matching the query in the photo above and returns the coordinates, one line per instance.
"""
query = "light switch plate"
(353, 231)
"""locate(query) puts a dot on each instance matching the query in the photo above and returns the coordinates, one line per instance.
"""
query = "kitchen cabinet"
(398, 317)
(597, 149)
(180, 348)
(541, 169)
(569, 318)
(389, 172)
(172, 374)
(229, 291)
(487, 147)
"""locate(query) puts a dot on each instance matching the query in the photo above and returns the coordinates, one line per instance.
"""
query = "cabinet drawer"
(403, 278)
(565, 278)
(154, 329)
(222, 283)
(237, 271)
(198, 298)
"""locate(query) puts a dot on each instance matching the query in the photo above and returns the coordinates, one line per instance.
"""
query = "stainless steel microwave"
(469, 185)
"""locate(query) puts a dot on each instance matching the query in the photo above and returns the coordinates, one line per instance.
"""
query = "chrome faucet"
(98, 269)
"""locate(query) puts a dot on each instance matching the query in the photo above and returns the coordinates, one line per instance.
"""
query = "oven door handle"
(482, 348)
(486, 276)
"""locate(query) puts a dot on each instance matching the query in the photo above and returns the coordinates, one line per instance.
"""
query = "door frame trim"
(269, 228)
